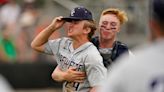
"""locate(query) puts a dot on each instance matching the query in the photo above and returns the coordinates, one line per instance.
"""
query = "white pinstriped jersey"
(85, 58)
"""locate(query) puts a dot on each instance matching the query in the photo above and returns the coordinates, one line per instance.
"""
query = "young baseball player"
(144, 73)
(75, 52)
(110, 24)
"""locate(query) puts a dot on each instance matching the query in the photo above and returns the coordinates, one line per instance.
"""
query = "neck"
(78, 43)
(106, 43)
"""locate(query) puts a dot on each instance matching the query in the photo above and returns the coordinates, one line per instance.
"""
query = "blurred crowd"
(18, 26)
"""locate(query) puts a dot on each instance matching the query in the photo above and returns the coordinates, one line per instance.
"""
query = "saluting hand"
(57, 23)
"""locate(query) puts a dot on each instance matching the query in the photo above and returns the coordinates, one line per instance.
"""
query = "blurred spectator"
(2, 2)
(27, 22)
(7, 48)
(9, 14)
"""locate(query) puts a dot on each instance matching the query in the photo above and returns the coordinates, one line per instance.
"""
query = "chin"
(107, 37)
(68, 34)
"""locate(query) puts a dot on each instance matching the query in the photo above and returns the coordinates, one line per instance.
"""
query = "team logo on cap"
(72, 12)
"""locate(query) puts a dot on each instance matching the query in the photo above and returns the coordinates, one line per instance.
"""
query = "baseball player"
(110, 24)
(145, 72)
(74, 52)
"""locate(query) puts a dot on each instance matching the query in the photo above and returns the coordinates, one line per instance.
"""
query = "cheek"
(77, 27)
(66, 26)
(118, 28)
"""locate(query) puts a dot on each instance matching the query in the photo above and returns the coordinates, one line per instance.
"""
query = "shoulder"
(120, 45)
(60, 40)
(93, 53)
(119, 48)
(92, 49)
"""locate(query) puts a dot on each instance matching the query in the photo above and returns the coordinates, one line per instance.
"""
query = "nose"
(108, 26)
(70, 24)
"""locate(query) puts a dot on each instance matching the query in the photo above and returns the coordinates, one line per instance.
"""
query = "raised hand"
(57, 23)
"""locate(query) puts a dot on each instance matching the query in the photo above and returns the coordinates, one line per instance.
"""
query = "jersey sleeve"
(95, 69)
(52, 46)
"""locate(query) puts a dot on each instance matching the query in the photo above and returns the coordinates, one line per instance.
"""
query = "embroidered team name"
(66, 63)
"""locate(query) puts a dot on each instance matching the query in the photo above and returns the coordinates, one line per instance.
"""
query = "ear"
(88, 30)
(119, 28)
(155, 27)
(155, 30)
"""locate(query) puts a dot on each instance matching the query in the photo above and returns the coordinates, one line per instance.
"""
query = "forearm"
(70, 75)
(58, 75)
(42, 37)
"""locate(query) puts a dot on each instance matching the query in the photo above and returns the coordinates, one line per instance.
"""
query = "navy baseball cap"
(79, 13)
(158, 9)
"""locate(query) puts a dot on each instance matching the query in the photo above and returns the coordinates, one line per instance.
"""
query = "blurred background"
(21, 20)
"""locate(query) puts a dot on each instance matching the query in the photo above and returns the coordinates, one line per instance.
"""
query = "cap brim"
(69, 19)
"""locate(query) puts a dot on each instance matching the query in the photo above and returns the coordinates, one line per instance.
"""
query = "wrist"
(51, 28)
(64, 76)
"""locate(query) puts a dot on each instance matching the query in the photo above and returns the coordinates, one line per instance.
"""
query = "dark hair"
(92, 25)
(157, 10)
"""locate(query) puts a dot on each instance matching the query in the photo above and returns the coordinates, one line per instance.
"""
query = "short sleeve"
(52, 46)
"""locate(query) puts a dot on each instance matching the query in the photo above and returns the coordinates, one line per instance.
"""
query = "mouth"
(69, 31)
(106, 33)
